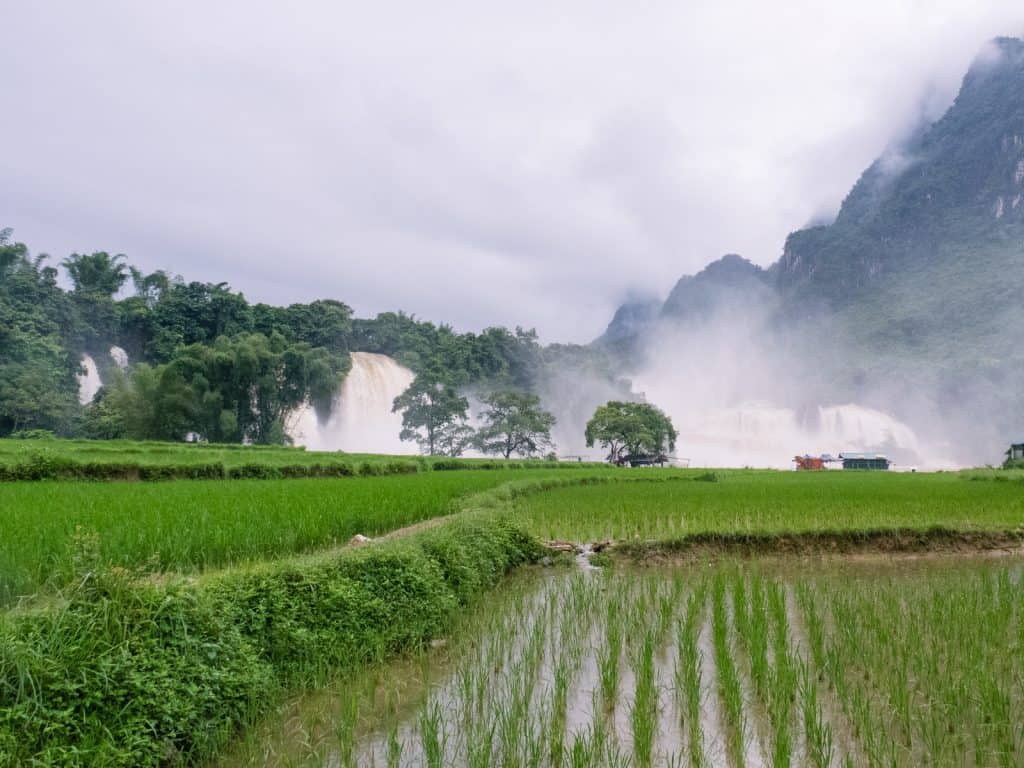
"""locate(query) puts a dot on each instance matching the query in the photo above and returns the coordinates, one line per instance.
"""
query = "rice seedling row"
(717, 665)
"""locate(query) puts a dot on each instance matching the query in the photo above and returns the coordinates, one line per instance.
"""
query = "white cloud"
(468, 162)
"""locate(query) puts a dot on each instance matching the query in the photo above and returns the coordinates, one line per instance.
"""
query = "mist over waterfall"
(89, 383)
(743, 393)
(119, 356)
(361, 420)
(762, 434)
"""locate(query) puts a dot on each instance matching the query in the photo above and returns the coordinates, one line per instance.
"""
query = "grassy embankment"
(22, 460)
(192, 526)
(123, 669)
(787, 511)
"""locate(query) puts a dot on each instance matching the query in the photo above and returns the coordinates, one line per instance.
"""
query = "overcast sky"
(475, 163)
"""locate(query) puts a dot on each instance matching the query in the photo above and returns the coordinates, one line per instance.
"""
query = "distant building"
(643, 460)
(1016, 452)
(864, 461)
(808, 462)
(814, 462)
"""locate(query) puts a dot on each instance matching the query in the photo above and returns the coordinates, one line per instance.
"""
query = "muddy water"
(522, 679)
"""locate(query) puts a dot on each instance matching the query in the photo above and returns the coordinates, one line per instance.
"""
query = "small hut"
(864, 461)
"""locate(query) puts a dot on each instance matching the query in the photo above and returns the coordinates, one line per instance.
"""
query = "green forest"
(204, 359)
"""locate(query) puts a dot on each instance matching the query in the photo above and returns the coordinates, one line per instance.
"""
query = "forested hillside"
(203, 358)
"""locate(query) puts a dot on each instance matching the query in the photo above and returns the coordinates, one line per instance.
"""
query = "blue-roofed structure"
(864, 461)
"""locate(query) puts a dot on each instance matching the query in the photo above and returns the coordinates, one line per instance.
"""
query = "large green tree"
(433, 415)
(37, 368)
(514, 422)
(97, 273)
(242, 388)
(630, 429)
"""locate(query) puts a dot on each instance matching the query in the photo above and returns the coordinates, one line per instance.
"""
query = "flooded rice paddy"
(822, 662)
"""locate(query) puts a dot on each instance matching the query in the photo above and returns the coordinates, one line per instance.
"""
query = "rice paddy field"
(227, 622)
(761, 503)
(193, 525)
(820, 663)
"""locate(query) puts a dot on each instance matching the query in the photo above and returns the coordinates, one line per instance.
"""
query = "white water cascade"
(120, 357)
(764, 435)
(89, 382)
(361, 420)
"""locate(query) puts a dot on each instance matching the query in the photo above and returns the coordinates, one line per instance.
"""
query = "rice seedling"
(782, 681)
(394, 748)
(872, 665)
(432, 735)
(817, 732)
(610, 654)
(729, 689)
(644, 712)
(688, 675)
(123, 459)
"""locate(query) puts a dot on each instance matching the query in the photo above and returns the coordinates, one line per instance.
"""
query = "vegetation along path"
(110, 666)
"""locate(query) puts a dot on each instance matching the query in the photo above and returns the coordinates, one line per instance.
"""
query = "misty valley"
(771, 515)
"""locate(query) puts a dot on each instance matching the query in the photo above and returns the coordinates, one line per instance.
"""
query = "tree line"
(204, 359)
(435, 416)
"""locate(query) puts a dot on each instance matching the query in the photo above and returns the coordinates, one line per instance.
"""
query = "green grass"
(197, 525)
(130, 673)
(774, 503)
(55, 459)
(158, 453)
(776, 655)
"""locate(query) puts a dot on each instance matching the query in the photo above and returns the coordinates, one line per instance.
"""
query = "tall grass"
(197, 525)
(749, 504)
(132, 674)
(55, 459)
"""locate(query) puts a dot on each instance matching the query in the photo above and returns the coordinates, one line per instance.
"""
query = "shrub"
(33, 434)
(443, 465)
(401, 468)
(254, 471)
(129, 673)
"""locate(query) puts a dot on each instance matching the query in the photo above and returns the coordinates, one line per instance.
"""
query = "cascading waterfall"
(89, 383)
(765, 435)
(361, 420)
(120, 357)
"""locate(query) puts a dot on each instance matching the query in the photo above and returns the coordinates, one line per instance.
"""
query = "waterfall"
(765, 435)
(718, 428)
(120, 357)
(361, 420)
(89, 382)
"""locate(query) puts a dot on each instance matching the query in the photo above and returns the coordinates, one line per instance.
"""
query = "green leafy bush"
(130, 673)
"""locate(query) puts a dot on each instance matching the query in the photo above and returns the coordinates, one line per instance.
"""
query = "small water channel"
(582, 667)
